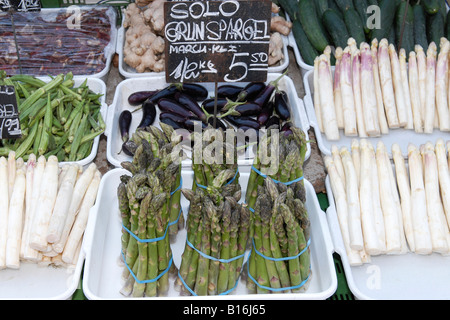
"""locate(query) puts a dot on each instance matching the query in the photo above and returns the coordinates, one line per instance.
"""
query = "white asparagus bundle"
(384, 128)
(336, 155)
(337, 89)
(11, 171)
(390, 214)
(356, 158)
(15, 220)
(398, 86)
(405, 85)
(46, 202)
(354, 212)
(444, 177)
(372, 243)
(442, 87)
(317, 107)
(356, 74)
(31, 166)
(435, 210)
(387, 86)
(327, 100)
(414, 91)
(4, 208)
(430, 103)
(419, 216)
(340, 199)
(348, 100)
(79, 192)
(405, 193)
(368, 94)
(422, 73)
(79, 226)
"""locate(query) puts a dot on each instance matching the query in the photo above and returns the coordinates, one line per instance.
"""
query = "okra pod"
(77, 138)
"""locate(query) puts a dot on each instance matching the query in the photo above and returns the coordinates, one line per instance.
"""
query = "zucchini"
(361, 7)
(387, 16)
(435, 28)
(354, 25)
(306, 49)
(321, 6)
(344, 4)
(336, 28)
(407, 42)
(420, 27)
(431, 6)
(312, 25)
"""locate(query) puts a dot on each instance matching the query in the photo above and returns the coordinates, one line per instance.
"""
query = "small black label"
(9, 115)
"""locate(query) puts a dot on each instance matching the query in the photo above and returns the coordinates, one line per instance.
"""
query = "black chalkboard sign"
(20, 5)
(9, 116)
(217, 41)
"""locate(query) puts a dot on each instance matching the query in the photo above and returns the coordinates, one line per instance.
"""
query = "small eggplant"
(191, 104)
(219, 123)
(265, 113)
(229, 91)
(148, 115)
(208, 104)
(190, 124)
(124, 124)
(173, 106)
(248, 109)
(195, 90)
(171, 123)
(264, 96)
(243, 121)
(129, 148)
(139, 97)
(281, 105)
(167, 92)
(286, 129)
(273, 121)
(251, 91)
(172, 116)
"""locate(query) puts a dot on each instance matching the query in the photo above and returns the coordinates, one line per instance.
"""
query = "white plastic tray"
(103, 269)
(392, 277)
(128, 86)
(400, 136)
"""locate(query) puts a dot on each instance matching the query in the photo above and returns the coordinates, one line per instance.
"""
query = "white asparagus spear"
(335, 153)
(442, 87)
(419, 217)
(435, 210)
(79, 226)
(26, 252)
(348, 100)
(62, 204)
(15, 220)
(356, 73)
(398, 87)
(337, 88)
(444, 177)
(62, 172)
(448, 150)
(372, 245)
(405, 193)
(384, 128)
(327, 100)
(354, 211)
(392, 227)
(79, 192)
(368, 94)
(4, 208)
(317, 108)
(387, 86)
(422, 77)
(31, 166)
(46, 202)
(430, 103)
(11, 171)
(356, 158)
(406, 93)
(414, 91)
(340, 200)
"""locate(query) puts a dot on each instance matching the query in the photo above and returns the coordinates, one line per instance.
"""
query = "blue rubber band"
(149, 280)
(284, 258)
(178, 188)
(276, 181)
(231, 181)
(212, 258)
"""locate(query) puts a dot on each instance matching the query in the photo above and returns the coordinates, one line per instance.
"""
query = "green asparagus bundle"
(217, 235)
(280, 256)
(56, 118)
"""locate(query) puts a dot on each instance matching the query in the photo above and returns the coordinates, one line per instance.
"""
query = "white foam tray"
(103, 268)
(400, 136)
(391, 277)
(128, 86)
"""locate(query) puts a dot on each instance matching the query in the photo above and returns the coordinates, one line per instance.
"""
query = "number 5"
(235, 64)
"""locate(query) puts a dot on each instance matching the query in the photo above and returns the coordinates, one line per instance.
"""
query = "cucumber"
(372, 2)
(435, 28)
(332, 5)
(392, 38)
(354, 25)
(361, 7)
(321, 6)
(407, 42)
(447, 26)
(312, 25)
(387, 16)
(306, 49)
(336, 28)
(431, 6)
(420, 27)
(344, 4)
(290, 7)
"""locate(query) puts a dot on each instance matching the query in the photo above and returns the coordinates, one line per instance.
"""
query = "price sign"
(217, 41)
(9, 116)
(20, 5)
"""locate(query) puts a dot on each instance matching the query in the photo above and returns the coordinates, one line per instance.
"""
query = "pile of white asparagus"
(393, 206)
(374, 89)
(44, 208)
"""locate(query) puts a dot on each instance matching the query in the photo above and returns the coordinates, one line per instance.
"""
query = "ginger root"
(275, 48)
(281, 25)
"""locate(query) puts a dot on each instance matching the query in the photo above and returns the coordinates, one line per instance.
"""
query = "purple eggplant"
(219, 123)
(241, 109)
(173, 106)
(172, 116)
(148, 115)
(129, 147)
(251, 91)
(191, 104)
(195, 90)
(229, 91)
(281, 105)
(286, 129)
(266, 94)
(125, 118)
(172, 123)
(139, 97)
(265, 113)
(208, 104)
(273, 121)
(167, 92)
(189, 124)
(244, 121)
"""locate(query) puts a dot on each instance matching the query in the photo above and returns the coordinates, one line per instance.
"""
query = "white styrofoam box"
(129, 86)
(102, 245)
(391, 277)
(400, 136)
